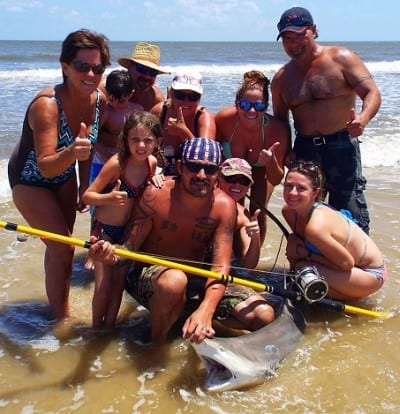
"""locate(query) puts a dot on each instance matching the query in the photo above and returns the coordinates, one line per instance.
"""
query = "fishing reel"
(312, 286)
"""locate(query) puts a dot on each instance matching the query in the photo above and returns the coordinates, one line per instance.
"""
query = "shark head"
(243, 361)
(229, 370)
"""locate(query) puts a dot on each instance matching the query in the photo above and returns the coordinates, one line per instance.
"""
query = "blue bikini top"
(345, 213)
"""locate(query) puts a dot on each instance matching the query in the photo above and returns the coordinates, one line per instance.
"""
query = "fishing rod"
(45, 235)
(323, 302)
(275, 219)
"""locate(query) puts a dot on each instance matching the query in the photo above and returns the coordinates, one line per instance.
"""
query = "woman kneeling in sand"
(328, 239)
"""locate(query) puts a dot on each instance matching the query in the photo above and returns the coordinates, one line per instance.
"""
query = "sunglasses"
(144, 70)
(196, 167)
(84, 67)
(245, 105)
(237, 179)
(309, 166)
(191, 96)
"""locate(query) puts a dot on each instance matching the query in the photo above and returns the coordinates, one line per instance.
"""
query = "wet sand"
(344, 363)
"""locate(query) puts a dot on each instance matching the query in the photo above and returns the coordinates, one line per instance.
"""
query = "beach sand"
(344, 363)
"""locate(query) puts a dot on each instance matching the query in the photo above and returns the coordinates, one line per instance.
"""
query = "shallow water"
(344, 363)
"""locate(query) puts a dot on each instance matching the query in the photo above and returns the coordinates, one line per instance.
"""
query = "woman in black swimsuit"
(60, 128)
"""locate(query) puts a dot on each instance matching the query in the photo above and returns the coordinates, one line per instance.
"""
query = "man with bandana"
(181, 220)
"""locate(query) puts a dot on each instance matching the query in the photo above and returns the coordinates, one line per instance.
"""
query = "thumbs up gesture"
(81, 145)
(118, 197)
(355, 127)
(252, 227)
(266, 155)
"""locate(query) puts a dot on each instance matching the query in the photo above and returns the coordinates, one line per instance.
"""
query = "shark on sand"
(242, 361)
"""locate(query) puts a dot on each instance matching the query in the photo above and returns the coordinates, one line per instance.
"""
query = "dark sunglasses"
(144, 70)
(237, 179)
(84, 67)
(196, 167)
(245, 105)
(309, 166)
(191, 96)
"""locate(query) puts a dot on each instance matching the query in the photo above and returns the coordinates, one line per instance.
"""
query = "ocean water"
(344, 363)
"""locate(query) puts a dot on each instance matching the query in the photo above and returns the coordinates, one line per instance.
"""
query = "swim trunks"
(140, 285)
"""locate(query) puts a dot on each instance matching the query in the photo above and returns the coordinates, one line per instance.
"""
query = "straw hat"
(145, 54)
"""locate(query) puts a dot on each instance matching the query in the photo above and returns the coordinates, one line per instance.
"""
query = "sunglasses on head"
(84, 67)
(245, 105)
(190, 96)
(237, 179)
(309, 166)
(144, 70)
(196, 167)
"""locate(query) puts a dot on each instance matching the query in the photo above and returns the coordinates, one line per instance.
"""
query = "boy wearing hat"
(319, 86)
(181, 220)
(144, 66)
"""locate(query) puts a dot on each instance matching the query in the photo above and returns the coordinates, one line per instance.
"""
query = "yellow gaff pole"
(138, 256)
(334, 304)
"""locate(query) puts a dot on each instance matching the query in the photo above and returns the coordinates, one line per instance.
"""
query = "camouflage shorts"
(140, 285)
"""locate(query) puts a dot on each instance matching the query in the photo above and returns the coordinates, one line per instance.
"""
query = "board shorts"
(140, 285)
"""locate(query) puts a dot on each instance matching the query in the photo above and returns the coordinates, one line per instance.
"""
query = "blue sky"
(195, 20)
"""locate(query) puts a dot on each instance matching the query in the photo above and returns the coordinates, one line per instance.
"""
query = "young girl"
(113, 192)
(328, 239)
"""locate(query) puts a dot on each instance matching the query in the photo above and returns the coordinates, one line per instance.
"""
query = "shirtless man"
(319, 85)
(144, 66)
(181, 220)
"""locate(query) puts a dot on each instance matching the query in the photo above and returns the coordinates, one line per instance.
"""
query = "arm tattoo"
(360, 80)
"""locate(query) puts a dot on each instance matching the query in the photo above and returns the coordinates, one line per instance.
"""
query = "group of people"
(163, 175)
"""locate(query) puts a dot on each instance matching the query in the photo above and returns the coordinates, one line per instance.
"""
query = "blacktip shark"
(242, 361)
